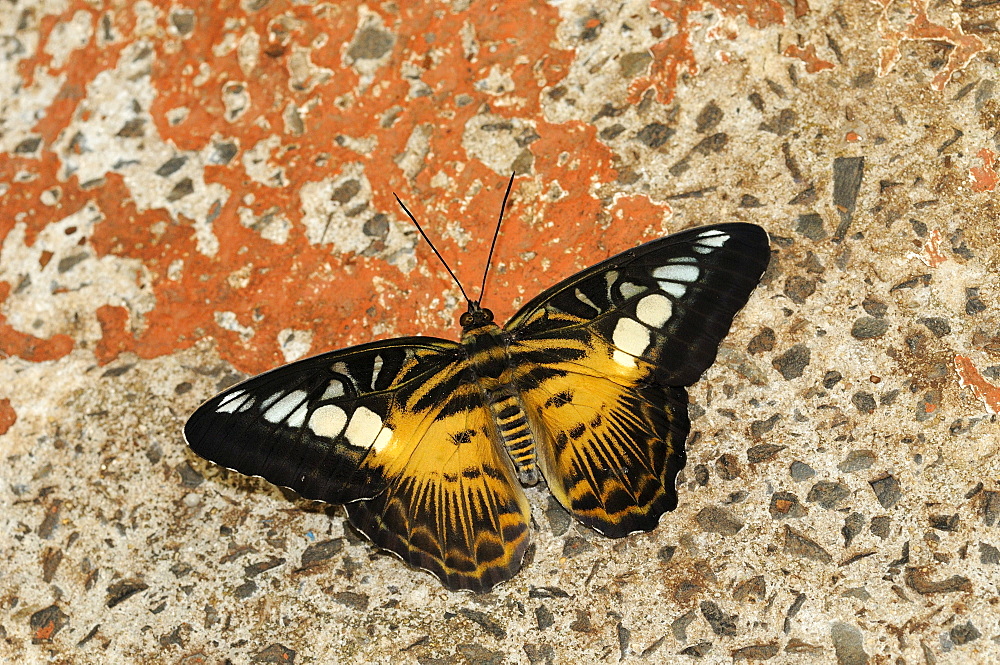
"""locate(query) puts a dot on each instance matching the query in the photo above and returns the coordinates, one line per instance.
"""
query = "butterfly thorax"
(486, 347)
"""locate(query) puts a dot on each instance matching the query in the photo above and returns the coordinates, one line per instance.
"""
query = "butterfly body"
(428, 442)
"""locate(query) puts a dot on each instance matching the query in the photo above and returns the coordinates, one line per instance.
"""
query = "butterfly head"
(475, 317)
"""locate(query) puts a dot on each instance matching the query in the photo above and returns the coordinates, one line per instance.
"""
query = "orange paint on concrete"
(7, 416)
(27, 347)
(808, 56)
(45, 633)
(852, 137)
(115, 335)
(985, 179)
(336, 294)
(932, 249)
(920, 27)
(970, 377)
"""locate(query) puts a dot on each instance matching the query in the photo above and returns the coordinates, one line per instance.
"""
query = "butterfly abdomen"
(492, 367)
(512, 425)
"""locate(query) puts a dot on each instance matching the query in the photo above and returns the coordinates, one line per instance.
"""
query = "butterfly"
(429, 442)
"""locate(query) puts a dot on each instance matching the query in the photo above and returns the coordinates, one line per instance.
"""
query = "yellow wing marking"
(612, 440)
(451, 504)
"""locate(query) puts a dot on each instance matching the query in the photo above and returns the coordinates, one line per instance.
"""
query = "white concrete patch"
(496, 148)
(328, 421)
(294, 343)
(631, 336)
(229, 321)
(68, 36)
(328, 215)
(114, 98)
(366, 429)
(69, 277)
(284, 406)
(654, 310)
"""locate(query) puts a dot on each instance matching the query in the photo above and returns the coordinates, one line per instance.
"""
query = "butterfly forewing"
(312, 424)
(681, 291)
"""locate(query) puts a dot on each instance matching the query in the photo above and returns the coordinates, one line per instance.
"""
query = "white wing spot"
(654, 310)
(270, 400)
(298, 416)
(582, 297)
(328, 421)
(714, 239)
(376, 368)
(232, 401)
(247, 403)
(334, 389)
(628, 289)
(677, 273)
(610, 277)
(623, 359)
(366, 429)
(383, 439)
(631, 336)
(284, 406)
(674, 277)
(674, 289)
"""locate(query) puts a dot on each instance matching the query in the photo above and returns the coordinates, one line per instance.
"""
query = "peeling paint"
(970, 377)
(985, 178)
(808, 56)
(920, 27)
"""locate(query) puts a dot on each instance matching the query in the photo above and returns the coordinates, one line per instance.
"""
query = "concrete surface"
(193, 192)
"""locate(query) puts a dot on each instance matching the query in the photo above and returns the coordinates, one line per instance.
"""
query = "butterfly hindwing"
(452, 504)
(611, 444)
(620, 341)
(396, 431)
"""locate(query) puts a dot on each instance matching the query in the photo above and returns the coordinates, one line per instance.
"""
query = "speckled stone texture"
(192, 192)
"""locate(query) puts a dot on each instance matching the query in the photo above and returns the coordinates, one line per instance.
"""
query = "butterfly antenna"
(496, 234)
(436, 252)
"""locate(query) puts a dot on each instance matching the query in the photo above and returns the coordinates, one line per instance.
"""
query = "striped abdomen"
(517, 437)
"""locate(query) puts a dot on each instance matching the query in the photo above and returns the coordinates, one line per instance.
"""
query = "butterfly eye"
(487, 316)
(465, 320)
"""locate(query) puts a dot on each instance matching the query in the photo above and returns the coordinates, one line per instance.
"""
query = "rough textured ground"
(189, 193)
